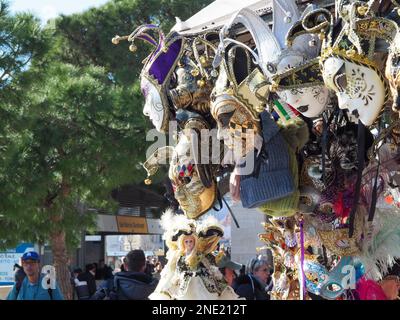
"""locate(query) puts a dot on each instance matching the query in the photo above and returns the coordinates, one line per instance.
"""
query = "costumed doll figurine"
(192, 272)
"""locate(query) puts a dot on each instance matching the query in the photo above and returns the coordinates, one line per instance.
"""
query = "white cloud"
(47, 9)
(48, 12)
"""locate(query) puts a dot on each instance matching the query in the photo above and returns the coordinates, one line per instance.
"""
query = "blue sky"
(47, 9)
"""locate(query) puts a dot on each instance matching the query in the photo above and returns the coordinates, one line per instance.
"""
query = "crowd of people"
(136, 279)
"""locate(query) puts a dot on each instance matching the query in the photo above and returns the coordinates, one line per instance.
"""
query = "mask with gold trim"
(338, 241)
(194, 197)
(347, 59)
(308, 96)
(195, 77)
(235, 105)
(392, 71)
(157, 71)
(315, 273)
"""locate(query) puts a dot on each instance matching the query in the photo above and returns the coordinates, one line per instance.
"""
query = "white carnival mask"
(348, 60)
(157, 72)
(274, 59)
(311, 100)
(153, 107)
(359, 89)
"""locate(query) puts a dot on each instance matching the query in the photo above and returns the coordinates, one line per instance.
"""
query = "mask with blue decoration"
(316, 275)
(342, 277)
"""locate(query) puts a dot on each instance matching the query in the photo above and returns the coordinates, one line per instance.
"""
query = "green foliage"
(72, 126)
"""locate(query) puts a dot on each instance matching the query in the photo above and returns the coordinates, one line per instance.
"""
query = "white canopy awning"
(218, 13)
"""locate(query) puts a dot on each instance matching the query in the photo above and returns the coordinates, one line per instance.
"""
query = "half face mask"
(359, 88)
(338, 241)
(341, 278)
(347, 55)
(316, 275)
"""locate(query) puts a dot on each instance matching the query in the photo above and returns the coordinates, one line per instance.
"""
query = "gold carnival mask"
(236, 108)
(338, 241)
(195, 197)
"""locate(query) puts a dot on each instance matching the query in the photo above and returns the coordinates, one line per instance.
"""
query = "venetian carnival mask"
(338, 242)
(393, 71)
(315, 274)
(195, 77)
(233, 106)
(347, 58)
(194, 198)
(359, 88)
(157, 71)
(286, 69)
(340, 278)
(299, 84)
(154, 107)
(329, 284)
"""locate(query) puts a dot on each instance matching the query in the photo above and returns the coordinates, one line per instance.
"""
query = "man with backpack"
(132, 284)
(31, 287)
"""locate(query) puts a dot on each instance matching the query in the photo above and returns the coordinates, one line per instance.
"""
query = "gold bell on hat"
(203, 60)
(132, 48)
(148, 181)
(195, 72)
(362, 10)
(351, 53)
(201, 83)
(115, 40)
(321, 36)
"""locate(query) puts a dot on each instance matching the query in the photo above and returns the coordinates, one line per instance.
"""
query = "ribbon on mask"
(303, 276)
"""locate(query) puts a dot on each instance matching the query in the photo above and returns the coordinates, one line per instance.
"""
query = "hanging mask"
(338, 241)
(347, 61)
(359, 88)
(186, 175)
(157, 71)
(301, 85)
(235, 108)
(341, 278)
(316, 275)
(195, 78)
(309, 97)
(393, 71)
(193, 196)
(343, 147)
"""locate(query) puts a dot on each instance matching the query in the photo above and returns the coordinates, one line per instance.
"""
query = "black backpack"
(19, 277)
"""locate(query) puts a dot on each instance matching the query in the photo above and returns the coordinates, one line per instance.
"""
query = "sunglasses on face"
(30, 262)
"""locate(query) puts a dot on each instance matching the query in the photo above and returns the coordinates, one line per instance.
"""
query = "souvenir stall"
(297, 105)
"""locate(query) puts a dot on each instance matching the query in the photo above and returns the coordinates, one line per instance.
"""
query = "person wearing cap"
(31, 287)
(227, 268)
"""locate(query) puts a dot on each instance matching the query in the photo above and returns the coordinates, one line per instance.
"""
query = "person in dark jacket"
(253, 285)
(132, 284)
(89, 277)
